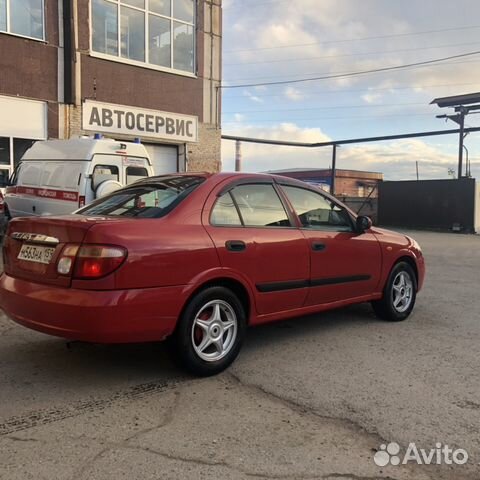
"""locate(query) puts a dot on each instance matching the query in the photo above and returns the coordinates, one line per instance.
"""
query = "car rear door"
(344, 263)
(256, 238)
(59, 188)
(107, 175)
(22, 193)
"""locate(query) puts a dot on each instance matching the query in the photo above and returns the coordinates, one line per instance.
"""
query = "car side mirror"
(363, 223)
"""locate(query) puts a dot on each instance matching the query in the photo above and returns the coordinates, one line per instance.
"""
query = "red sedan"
(199, 257)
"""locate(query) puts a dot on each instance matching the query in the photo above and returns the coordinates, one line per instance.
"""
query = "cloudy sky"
(275, 40)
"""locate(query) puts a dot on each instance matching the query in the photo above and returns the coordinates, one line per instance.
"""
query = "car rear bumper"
(115, 316)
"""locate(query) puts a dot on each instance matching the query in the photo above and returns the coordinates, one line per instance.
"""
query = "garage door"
(164, 158)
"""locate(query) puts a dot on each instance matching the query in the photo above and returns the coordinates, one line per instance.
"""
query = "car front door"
(255, 236)
(344, 263)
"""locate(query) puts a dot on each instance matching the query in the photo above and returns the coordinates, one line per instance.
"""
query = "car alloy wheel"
(402, 289)
(399, 294)
(214, 330)
(210, 331)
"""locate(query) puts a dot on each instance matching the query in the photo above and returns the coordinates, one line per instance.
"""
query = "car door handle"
(318, 246)
(235, 245)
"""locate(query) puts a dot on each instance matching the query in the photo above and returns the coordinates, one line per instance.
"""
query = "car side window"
(317, 212)
(260, 206)
(224, 212)
(102, 173)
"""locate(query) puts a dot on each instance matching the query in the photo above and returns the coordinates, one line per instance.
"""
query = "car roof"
(235, 176)
(82, 149)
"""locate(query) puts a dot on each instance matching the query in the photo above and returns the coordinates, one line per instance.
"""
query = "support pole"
(467, 162)
(334, 168)
(461, 122)
(238, 156)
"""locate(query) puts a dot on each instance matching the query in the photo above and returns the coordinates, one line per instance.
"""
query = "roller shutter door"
(164, 158)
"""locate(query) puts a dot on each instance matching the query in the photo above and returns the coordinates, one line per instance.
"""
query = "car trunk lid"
(32, 246)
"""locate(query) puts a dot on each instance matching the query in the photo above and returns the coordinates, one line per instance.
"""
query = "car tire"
(399, 294)
(210, 331)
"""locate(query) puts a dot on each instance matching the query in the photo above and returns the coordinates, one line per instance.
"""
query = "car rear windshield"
(145, 199)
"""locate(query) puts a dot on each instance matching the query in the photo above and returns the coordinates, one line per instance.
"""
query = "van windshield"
(152, 198)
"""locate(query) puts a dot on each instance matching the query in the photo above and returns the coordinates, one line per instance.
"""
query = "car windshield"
(151, 198)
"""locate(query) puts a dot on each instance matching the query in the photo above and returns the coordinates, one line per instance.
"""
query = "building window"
(22, 17)
(158, 33)
(5, 151)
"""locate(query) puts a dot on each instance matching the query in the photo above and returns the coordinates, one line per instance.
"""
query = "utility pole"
(238, 156)
(416, 164)
(334, 169)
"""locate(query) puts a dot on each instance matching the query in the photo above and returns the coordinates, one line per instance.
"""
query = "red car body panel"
(112, 316)
(172, 257)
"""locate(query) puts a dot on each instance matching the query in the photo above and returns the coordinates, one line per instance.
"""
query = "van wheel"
(210, 331)
(399, 294)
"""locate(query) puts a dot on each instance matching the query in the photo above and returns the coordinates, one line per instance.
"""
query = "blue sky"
(265, 41)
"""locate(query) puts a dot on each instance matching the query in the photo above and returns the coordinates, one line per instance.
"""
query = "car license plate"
(36, 253)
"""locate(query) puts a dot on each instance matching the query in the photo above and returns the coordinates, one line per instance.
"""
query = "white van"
(57, 177)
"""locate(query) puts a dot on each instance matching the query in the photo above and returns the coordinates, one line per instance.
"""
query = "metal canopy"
(456, 100)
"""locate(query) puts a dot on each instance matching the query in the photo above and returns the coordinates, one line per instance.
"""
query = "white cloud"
(257, 157)
(372, 97)
(294, 94)
(239, 117)
(252, 97)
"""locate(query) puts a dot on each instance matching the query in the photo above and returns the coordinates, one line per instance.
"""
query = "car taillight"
(95, 261)
(90, 261)
(67, 259)
(81, 201)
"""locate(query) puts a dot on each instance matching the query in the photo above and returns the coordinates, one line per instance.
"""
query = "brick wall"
(205, 156)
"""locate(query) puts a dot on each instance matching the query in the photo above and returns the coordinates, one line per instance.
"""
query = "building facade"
(127, 69)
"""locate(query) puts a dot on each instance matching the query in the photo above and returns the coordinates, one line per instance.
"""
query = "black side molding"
(333, 281)
(279, 286)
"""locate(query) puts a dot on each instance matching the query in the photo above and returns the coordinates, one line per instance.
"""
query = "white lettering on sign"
(140, 122)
